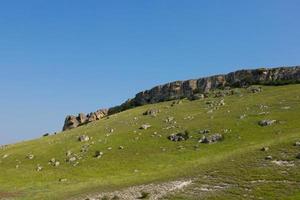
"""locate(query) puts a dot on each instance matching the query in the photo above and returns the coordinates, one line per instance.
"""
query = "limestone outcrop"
(188, 89)
(75, 121)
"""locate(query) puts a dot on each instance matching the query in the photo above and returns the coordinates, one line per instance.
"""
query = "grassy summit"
(119, 154)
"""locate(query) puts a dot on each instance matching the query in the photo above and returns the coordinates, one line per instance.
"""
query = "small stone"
(98, 154)
(152, 112)
(5, 156)
(56, 163)
(46, 134)
(268, 157)
(145, 126)
(39, 168)
(62, 180)
(68, 153)
(121, 147)
(211, 139)
(297, 144)
(205, 131)
(72, 159)
(264, 149)
(84, 138)
(266, 122)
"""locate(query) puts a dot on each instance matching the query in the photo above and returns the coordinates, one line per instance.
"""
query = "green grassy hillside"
(234, 168)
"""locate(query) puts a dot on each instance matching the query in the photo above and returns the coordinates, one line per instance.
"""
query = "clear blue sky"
(60, 57)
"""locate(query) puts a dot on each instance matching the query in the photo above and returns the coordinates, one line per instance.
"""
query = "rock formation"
(188, 88)
(73, 121)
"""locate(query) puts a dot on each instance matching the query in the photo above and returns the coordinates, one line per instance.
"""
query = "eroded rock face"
(73, 121)
(241, 78)
(189, 88)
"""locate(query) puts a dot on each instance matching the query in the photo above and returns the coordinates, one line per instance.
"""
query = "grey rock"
(179, 137)
(152, 112)
(145, 126)
(268, 157)
(84, 138)
(266, 122)
(211, 139)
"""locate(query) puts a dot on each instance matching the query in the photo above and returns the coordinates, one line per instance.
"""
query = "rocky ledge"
(188, 88)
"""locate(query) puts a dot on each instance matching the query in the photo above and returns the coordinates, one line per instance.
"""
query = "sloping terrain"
(118, 155)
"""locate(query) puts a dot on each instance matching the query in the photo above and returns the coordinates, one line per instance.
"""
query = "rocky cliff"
(183, 89)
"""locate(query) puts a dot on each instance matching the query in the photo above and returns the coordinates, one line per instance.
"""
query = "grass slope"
(147, 157)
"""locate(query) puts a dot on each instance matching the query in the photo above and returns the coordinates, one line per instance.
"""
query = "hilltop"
(230, 142)
(192, 88)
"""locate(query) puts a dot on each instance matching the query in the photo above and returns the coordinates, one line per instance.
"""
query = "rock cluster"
(73, 121)
(179, 137)
(211, 139)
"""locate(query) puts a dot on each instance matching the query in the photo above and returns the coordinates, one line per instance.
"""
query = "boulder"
(151, 112)
(264, 149)
(179, 137)
(73, 121)
(211, 139)
(83, 138)
(266, 122)
(254, 89)
(70, 122)
(205, 131)
(297, 144)
(196, 96)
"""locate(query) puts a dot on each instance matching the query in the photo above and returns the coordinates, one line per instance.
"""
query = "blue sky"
(60, 57)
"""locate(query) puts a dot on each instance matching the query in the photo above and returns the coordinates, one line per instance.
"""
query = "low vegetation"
(104, 157)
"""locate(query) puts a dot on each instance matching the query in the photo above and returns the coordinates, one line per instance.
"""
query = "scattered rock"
(62, 180)
(242, 116)
(84, 138)
(145, 126)
(268, 157)
(54, 162)
(266, 122)
(39, 168)
(297, 144)
(30, 156)
(5, 156)
(176, 103)
(68, 153)
(169, 119)
(98, 154)
(264, 149)
(284, 163)
(71, 159)
(254, 89)
(211, 139)
(179, 137)
(205, 131)
(121, 147)
(152, 112)
(46, 134)
(197, 96)
(285, 107)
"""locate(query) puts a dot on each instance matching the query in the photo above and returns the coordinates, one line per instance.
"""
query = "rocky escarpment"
(75, 121)
(188, 88)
